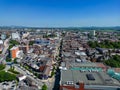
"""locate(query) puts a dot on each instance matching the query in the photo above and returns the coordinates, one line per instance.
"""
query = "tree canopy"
(13, 43)
(44, 87)
(31, 42)
(114, 61)
(5, 76)
(104, 44)
(2, 66)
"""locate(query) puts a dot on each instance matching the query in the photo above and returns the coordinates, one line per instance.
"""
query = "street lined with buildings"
(60, 59)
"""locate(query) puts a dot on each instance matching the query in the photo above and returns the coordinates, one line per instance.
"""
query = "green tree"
(15, 60)
(31, 42)
(2, 66)
(113, 61)
(5, 76)
(44, 87)
(14, 42)
(8, 59)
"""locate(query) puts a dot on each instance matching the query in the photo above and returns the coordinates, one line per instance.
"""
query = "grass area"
(6, 76)
(2, 66)
(13, 71)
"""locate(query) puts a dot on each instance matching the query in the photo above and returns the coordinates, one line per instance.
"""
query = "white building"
(15, 35)
(3, 36)
(1, 41)
(1, 45)
(25, 35)
(94, 32)
(21, 77)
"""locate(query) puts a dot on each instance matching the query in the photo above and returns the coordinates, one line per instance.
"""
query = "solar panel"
(90, 77)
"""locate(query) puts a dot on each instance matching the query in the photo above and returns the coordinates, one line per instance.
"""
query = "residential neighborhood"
(59, 60)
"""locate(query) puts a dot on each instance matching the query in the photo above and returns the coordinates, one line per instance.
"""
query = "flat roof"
(85, 64)
(101, 78)
(14, 47)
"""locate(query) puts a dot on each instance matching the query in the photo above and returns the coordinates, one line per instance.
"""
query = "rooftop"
(15, 47)
(75, 76)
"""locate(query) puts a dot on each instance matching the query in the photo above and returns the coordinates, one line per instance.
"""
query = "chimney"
(81, 85)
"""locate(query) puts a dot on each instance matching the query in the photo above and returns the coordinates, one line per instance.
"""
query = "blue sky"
(60, 13)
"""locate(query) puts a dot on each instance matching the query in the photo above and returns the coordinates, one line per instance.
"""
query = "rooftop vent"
(69, 83)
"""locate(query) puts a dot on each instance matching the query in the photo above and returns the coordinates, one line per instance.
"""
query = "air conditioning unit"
(69, 83)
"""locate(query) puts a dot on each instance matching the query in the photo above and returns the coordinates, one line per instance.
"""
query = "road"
(57, 80)
(7, 67)
(28, 74)
(6, 44)
(49, 83)
(4, 52)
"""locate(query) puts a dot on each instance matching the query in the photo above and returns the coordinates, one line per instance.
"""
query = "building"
(94, 33)
(14, 52)
(85, 80)
(24, 48)
(1, 41)
(42, 42)
(1, 45)
(21, 77)
(3, 36)
(25, 35)
(15, 36)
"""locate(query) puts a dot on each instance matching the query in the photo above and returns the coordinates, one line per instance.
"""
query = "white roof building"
(21, 77)
(1, 41)
(15, 36)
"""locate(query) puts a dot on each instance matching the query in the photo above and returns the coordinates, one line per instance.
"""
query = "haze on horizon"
(60, 13)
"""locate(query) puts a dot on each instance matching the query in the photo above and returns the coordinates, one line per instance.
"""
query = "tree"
(6, 76)
(31, 42)
(8, 59)
(104, 44)
(2, 66)
(14, 42)
(15, 60)
(113, 61)
(44, 87)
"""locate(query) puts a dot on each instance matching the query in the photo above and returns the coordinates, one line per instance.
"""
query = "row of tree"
(104, 44)
(114, 61)
(2, 66)
(13, 43)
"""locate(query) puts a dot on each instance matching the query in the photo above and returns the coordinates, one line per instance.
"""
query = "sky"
(60, 13)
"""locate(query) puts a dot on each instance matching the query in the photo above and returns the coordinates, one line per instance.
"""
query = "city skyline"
(59, 13)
